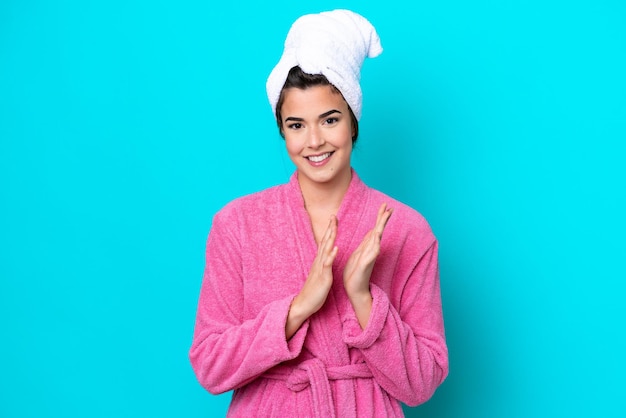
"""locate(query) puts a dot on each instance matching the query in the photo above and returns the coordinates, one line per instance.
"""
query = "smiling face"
(318, 134)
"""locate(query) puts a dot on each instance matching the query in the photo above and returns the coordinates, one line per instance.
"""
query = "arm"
(229, 351)
(405, 347)
(358, 270)
(318, 283)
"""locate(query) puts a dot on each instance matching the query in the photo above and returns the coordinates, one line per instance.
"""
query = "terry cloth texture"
(334, 44)
(258, 255)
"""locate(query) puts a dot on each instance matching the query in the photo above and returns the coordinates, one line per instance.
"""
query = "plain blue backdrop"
(125, 125)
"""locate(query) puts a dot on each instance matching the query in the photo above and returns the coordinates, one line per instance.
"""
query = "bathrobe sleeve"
(403, 342)
(229, 350)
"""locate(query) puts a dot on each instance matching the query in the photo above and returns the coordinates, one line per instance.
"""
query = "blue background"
(124, 126)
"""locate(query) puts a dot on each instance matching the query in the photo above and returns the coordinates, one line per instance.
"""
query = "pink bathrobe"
(259, 253)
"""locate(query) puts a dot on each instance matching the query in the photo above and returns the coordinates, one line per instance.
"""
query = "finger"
(328, 261)
(368, 248)
(328, 232)
(329, 236)
(384, 213)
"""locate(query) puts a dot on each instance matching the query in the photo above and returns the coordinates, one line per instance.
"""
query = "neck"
(325, 195)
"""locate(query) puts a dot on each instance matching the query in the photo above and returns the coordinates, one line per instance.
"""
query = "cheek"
(292, 146)
(345, 136)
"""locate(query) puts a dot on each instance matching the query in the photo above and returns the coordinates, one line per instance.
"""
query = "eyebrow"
(330, 112)
(322, 116)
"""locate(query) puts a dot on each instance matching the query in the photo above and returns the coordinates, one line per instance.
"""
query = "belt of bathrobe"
(315, 374)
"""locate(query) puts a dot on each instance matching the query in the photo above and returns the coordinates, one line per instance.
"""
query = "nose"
(315, 138)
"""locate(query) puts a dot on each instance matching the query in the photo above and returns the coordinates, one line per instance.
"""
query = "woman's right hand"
(317, 285)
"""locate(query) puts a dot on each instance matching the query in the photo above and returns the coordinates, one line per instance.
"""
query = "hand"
(317, 285)
(356, 275)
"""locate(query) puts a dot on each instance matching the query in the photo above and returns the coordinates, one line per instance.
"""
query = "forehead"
(312, 101)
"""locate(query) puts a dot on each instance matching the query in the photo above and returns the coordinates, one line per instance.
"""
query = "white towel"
(334, 44)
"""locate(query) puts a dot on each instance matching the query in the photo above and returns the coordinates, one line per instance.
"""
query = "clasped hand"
(356, 274)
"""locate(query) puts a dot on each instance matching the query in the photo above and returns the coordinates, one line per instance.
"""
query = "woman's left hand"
(356, 275)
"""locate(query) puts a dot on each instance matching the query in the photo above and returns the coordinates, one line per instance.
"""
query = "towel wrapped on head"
(333, 44)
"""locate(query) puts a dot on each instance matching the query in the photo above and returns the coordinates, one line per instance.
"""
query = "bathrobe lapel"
(325, 327)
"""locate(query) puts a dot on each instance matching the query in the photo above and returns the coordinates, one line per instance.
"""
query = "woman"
(307, 308)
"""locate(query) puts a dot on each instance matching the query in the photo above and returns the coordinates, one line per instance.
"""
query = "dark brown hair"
(301, 80)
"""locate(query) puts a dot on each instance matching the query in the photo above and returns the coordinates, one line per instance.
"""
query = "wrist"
(297, 311)
(362, 304)
(362, 297)
(295, 318)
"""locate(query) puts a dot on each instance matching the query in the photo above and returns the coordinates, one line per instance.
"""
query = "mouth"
(319, 158)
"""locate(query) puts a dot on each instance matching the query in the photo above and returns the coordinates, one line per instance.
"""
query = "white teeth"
(319, 158)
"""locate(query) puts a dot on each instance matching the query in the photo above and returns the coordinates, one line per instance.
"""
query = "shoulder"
(251, 206)
(406, 223)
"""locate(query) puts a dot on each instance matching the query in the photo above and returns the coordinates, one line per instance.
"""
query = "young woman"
(320, 296)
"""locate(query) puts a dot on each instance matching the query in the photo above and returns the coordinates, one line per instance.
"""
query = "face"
(318, 134)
